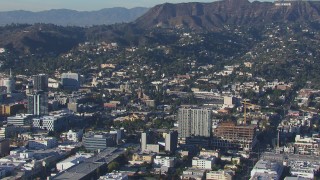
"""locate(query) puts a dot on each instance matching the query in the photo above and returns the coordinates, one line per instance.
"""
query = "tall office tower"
(38, 103)
(40, 82)
(194, 122)
(144, 141)
(171, 141)
(70, 81)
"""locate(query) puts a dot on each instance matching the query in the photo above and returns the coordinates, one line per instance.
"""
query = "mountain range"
(65, 17)
(217, 16)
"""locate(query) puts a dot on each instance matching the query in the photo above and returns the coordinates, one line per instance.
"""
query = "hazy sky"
(82, 5)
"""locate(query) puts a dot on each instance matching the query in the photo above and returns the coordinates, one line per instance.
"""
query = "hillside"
(216, 15)
(281, 42)
(65, 17)
(40, 38)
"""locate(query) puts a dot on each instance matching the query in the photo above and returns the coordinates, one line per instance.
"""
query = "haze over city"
(82, 5)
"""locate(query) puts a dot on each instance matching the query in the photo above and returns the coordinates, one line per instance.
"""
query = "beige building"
(139, 158)
(209, 153)
(220, 175)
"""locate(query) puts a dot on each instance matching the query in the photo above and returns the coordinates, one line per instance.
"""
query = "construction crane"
(245, 103)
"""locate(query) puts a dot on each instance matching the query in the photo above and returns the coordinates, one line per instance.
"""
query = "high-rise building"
(70, 81)
(148, 142)
(40, 82)
(38, 103)
(194, 122)
(171, 141)
(144, 141)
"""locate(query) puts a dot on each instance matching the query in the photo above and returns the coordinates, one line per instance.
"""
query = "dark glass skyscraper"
(38, 103)
(40, 82)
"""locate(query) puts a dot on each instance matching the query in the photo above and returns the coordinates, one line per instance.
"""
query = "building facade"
(40, 82)
(228, 135)
(194, 122)
(70, 81)
(50, 123)
(11, 109)
(43, 143)
(74, 136)
(71, 161)
(171, 141)
(4, 147)
(94, 142)
(220, 175)
(20, 120)
(9, 83)
(38, 103)
(165, 161)
(203, 163)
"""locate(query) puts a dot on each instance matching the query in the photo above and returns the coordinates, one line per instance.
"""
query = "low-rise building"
(74, 136)
(43, 143)
(203, 163)
(164, 161)
(51, 123)
(192, 173)
(209, 153)
(94, 142)
(20, 120)
(71, 161)
(268, 169)
(115, 176)
(220, 175)
(140, 158)
(307, 145)
(11, 109)
(300, 165)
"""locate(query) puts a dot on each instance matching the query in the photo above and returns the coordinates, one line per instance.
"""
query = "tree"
(113, 166)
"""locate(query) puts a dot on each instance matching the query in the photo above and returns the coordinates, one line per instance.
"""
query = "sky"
(81, 5)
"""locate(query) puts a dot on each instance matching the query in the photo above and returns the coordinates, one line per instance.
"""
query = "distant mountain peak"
(67, 17)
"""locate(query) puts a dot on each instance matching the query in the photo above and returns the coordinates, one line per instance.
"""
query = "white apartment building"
(165, 161)
(203, 163)
(307, 145)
